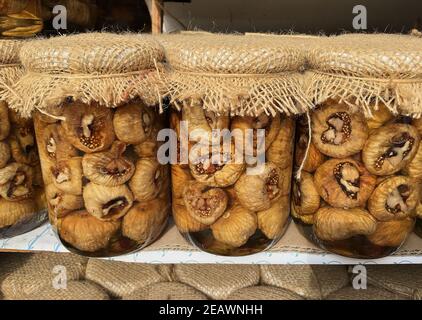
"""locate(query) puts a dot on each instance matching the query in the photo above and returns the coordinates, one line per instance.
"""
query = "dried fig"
(67, 175)
(256, 192)
(333, 224)
(390, 148)
(314, 157)
(204, 204)
(60, 203)
(4, 154)
(85, 232)
(235, 227)
(414, 168)
(281, 149)
(148, 179)
(12, 213)
(306, 200)
(306, 219)
(145, 221)
(22, 145)
(392, 233)
(344, 183)
(108, 168)
(394, 199)
(273, 221)
(134, 123)
(107, 203)
(89, 128)
(215, 169)
(417, 123)
(40, 200)
(16, 182)
(379, 117)
(179, 179)
(53, 145)
(337, 131)
(184, 221)
(4, 121)
(245, 132)
(200, 122)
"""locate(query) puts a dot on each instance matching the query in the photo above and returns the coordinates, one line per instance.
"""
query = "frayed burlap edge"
(9, 74)
(400, 96)
(238, 94)
(44, 92)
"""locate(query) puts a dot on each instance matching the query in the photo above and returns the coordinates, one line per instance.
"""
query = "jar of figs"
(232, 100)
(357, 190)
(22, 198)
(97, 127)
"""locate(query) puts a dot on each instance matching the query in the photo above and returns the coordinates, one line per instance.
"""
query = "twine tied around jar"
(305, 157)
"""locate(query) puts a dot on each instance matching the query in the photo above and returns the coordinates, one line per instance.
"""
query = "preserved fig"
(12, 213)
(306, 200)
(67, 175)
(256, 192)
(235, 227)
(394, 199)
(245, 132)
(390, 148)
(107, 203)
(216, 169)
(108, 168)
(333, 224)
(184, 221)
(148, 180)
(145, 221)
(314, 157)
(88, 128)
(337, 131)
(273, 221)
(344, 183)
(180, 177)
(204, 204)
(379, 117)
(4, 154)
(4, 121)
(85, 232)
(16, 182)
(392, 233)
(134, 123)
(203, 123)
(22, 145)
(414, 168)
(60, 203)
(280, 151)
(53, 144)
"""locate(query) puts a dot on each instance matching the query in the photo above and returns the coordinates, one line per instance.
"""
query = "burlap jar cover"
(97, 126)
(22, 206)
(357, 192)
(217, 82)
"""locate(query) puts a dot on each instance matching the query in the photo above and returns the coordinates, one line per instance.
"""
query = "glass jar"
(357, 194)
(22, 198)
(107, 193)
(227, 200)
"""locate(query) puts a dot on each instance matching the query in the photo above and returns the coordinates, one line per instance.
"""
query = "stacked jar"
(232, 100)
(358, 191)
(97, 123)
(22, 201)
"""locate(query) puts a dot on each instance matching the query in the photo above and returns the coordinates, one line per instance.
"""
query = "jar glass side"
(232, 179)
(22, 197)
(107, 194)
(357, 195)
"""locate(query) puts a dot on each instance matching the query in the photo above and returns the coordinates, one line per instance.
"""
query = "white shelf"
(172, 248)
